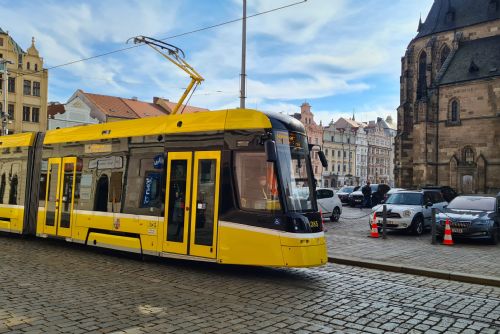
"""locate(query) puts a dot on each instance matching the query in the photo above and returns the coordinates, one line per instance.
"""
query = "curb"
(448, 275)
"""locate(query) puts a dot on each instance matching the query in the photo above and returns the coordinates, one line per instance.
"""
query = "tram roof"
(233, 119)
(17, 140)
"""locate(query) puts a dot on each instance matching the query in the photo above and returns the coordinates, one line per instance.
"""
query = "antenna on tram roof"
(176, 56)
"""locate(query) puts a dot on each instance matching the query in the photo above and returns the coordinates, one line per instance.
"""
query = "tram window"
(256, 182)
(12, 175)
(144, 179)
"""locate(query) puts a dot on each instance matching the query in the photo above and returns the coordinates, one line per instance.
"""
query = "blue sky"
(338, 55)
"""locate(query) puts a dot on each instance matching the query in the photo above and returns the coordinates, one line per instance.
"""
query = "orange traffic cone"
(447, 240)
(374, 233)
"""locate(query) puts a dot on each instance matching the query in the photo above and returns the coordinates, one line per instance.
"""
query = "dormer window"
(450, 16)
(493, 6)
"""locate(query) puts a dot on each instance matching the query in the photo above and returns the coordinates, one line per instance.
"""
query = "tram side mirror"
(270, 147)
(322, 157)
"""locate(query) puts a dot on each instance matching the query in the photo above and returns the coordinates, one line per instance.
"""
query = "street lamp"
(5, 115)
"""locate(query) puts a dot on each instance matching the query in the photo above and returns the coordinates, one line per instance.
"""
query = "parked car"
(344, 192)
(448, 192)
(409, 210)
(474, 217)
(392, 191)
(329, 203)
(378, 195)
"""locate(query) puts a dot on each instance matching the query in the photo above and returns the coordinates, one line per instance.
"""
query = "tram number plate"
(457, 230)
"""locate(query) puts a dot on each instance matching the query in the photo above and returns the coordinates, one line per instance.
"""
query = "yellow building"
(27, 86)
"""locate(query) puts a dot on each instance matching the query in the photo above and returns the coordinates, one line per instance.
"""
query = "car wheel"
(418, 225)
(335, 215)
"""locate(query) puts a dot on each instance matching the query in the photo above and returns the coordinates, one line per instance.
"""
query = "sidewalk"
(349, 243)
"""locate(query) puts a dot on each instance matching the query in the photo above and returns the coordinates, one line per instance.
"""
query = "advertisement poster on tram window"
(151, 189)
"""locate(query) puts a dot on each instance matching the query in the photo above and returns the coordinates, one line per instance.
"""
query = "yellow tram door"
(60, 194)
(191, 203)
(177, 202)
(205, 204)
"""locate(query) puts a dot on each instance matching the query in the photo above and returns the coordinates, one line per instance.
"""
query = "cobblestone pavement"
(52, 287)
(349, 238)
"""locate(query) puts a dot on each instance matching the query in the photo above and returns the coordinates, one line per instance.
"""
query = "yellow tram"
(229, 186)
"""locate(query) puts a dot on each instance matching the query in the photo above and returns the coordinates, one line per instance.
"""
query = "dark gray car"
(474, 217)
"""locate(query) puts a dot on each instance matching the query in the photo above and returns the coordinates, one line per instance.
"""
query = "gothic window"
(422, 76)
(454, 112)
(468, 155)
(445, 52)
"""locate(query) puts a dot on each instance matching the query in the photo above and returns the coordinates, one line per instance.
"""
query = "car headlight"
(407, 213)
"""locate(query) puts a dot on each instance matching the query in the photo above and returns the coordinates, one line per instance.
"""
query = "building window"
(12, 85)
(454, 112)
(326, 152)
(35, 115)
(338, 168)
(338, 154)
(422, 76)
(36, 67)
(468, 155)
(27, 87)
(11, 111)
(1, 41)
(26, 114)
(28, 65)
(36, 88)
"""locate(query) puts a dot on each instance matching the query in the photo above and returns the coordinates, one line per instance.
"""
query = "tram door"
(60, 194)
(192, 203)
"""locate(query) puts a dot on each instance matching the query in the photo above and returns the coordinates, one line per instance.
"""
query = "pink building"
(314, 135)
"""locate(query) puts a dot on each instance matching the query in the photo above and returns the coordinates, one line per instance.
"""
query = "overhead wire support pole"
(243, 56)
(176, 56)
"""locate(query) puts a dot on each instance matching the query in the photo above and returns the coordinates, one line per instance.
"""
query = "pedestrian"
(367, 195)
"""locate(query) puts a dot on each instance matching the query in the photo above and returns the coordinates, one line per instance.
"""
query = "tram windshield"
(295, 170)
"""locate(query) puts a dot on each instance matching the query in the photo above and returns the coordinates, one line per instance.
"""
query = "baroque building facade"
(449, 115)
(27, 86)
(315, 136)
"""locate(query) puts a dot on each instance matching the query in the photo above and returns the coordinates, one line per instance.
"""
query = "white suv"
(409, 210)
(329, 203)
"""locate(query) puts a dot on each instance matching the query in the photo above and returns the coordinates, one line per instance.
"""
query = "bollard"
(384, 223)
(433, 227)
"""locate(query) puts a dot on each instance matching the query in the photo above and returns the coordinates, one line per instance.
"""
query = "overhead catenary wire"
(163, 39)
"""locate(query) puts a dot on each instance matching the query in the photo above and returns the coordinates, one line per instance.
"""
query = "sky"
(341, 56)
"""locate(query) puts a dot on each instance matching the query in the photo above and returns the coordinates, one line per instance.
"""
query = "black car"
(378, 195)
(344, 192)
(448, 192)
(475, 217)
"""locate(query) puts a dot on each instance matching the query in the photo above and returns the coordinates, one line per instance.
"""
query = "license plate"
(457, 230)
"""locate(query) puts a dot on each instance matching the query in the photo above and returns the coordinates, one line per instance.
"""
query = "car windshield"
(346, 190)
(295, 170)
(405, 199)
(473, 203)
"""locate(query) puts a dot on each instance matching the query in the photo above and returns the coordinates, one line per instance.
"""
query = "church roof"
(477, 59)
(453, 14)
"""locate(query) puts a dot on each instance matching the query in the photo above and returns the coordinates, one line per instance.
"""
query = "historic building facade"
(339, 145)
(26, 88)
(315, 135)
(449, 116)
